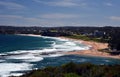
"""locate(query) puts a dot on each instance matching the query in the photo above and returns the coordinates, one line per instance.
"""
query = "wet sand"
(93, 51)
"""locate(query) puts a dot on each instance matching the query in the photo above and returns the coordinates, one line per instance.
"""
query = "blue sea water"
(20, 53)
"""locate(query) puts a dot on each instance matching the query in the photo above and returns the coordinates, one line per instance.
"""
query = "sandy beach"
(93, 51)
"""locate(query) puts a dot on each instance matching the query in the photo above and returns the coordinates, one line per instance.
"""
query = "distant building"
(98, 33)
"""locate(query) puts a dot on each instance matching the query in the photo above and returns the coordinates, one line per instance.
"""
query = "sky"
(47, 13)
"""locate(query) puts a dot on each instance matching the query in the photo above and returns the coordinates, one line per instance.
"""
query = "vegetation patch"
(77, 70)
(86, 38)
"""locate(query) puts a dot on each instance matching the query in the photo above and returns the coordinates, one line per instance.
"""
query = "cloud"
(108, 4)
(11, 5)
(62, 3)
(59, 16)
(16, 20)
(115, 18)
(10, 17)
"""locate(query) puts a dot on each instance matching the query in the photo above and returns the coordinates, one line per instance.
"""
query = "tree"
(114, 41)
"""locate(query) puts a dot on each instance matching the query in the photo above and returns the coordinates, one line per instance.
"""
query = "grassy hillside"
(86, 38)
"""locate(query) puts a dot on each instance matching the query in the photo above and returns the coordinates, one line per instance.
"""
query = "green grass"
(71, 75)
(86, 38)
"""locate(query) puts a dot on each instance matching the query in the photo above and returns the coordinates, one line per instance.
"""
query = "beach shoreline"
(33, 35)
(93, 51)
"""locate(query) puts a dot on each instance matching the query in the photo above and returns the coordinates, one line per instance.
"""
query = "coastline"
(93, 51)
(33, 35)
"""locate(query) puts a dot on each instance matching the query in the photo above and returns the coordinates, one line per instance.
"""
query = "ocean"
(20, 53)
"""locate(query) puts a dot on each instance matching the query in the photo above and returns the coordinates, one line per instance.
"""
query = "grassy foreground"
(77, 70)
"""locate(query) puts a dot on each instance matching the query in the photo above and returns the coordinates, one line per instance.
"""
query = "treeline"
(72, 30)
(114, 41)
(77, 70)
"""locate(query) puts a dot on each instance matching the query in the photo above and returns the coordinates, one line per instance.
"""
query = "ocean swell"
(21, 60)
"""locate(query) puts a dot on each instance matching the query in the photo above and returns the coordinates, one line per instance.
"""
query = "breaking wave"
(21, 60)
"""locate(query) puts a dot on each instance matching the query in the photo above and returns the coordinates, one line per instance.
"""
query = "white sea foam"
(28, 56)
(32, 35)
(55, 55)
(32, 55)
(70, 43)
(6, 69)
(2, 60)
(70, 46)
(107, 60)
(15, 74)
(66, 45)
(32, 51)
